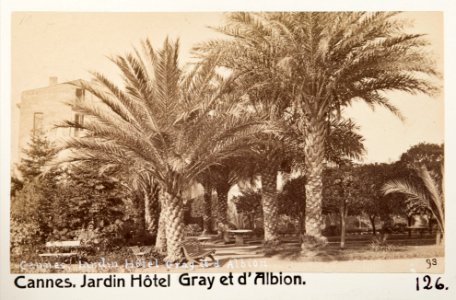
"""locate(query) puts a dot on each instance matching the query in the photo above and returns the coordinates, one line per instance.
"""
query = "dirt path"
(251, 258)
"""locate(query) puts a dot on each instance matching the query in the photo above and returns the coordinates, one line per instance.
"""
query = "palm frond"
(425, 196)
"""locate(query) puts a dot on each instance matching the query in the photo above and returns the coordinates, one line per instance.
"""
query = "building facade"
(42, 109)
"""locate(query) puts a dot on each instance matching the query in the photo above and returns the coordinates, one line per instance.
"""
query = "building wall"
(51, 101)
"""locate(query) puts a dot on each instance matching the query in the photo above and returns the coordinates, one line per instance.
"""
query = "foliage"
(239, 221)
(248, 205)
(419, 181)
(89, 197)
(193, 230)
(58, 202)
(174, 125)
(32, 197)
(374, 202)
(26, 204)
(425, 195)
(316, 63)
(380, 244)
(25, 236)
(16, 185)
(358, 54)
(292, 198)
(429, 155)
(341, 187)
(343, 141)
(39, 152)
(157, 116)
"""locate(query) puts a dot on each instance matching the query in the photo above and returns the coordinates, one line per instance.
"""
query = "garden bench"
(62, 249)
(140, 252)
(194, 251)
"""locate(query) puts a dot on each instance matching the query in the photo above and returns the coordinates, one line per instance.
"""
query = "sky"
(69, 45)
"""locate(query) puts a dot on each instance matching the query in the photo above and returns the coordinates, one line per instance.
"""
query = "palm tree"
(222, 177)
(207, 214)
(158, 123)
(271, 153)
(146, 190)
(422, 195)
(325, 61)
(267, 154)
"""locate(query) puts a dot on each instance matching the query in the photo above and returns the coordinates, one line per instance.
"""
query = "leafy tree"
(429, 155)
(375, 203)
(16, 185)
(292, 200)
(38, 153)
(249, 204)
(342, 193)
(86, 196)
(24, 237)
(32, 198)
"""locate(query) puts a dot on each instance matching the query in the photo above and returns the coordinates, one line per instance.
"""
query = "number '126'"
(428, 284)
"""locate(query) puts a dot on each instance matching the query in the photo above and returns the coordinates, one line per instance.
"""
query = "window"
(80, 93)
(37, 123)
(78, 121)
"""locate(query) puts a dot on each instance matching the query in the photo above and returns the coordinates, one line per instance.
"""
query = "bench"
(62, 249)
(140, 252)
(194, 251)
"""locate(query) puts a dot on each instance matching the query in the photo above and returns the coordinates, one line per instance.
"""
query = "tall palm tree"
(158, 122)
(325, 61)
(273, 152)
(425, 194)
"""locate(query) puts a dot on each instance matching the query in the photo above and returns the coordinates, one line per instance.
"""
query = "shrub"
(192, 230)
(25, 237)
(380, 243)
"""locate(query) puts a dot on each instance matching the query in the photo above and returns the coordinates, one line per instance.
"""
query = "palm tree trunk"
(222, 203)
(160, 243)
(270, 207)
(152, 210)
(439, 237)
(207, 217)
(314, 155)
(140, 219)
(302, 213)
(174, 227)
(222, 208)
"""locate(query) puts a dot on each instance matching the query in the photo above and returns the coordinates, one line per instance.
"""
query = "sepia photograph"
(215, 142)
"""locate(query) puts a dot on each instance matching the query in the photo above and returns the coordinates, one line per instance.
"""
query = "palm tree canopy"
(161, 121)
(307, 66)
(326, 59)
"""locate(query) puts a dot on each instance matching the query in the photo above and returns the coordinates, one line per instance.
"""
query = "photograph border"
(347, 285)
